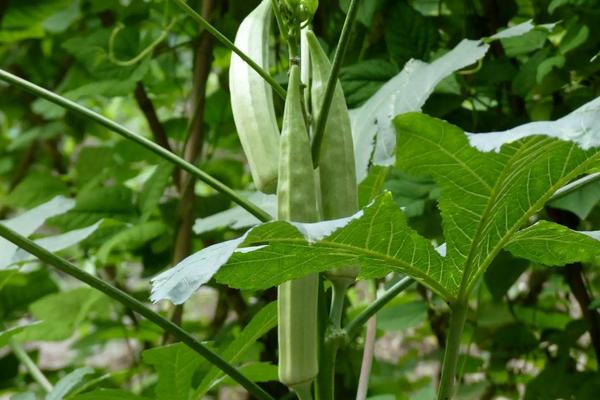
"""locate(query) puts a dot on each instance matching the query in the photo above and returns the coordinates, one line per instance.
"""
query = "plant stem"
(354, 325)
(303, 391)
(136, 305)
(148, 144)
(457, 323)
(331, 344)
(367, 360)
(227, 43)
(338, 58)
(338, 295)
(33, 369)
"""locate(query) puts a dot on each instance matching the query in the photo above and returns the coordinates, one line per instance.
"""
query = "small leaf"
(57, 243)
(64, 386)
(154, 187)
(8, 333)
(28, 222)
(237, 217)
(581, 202)
(131, 238)
(263, 322)
(553, 244)
(175, 365)
(108, 394)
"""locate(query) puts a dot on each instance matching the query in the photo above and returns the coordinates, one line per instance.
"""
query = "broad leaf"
(372, 127)
(553, 244)
(263, 322)
(485, 198)
(175, 365)
(62, 313)
(582, 126)
(377, 238)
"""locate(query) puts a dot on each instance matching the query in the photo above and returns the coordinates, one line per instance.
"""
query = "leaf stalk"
(458, 317)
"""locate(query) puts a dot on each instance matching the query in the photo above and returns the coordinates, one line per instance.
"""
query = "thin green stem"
(148, 144)
(338, 58)
(229, 44)
(457, 323)
(338, 295)
(33, 369)
(353, 326)
(331, 345)
(135, 305)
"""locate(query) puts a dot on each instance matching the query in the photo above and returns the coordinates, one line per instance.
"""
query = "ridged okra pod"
(337, 171)
(252, 99)
(296, 201)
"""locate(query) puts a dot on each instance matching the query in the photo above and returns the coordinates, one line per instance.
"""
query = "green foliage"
(425, 191)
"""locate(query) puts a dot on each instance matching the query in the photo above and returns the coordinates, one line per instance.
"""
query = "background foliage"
(532, 336)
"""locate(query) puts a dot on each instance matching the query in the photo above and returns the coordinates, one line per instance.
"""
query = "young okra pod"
(252, 99)
(296, 201)
(337, 173)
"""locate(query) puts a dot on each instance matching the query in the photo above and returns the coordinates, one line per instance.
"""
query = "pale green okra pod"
(296, 201)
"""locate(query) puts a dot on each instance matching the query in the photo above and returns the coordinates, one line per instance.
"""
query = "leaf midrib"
(543, 199)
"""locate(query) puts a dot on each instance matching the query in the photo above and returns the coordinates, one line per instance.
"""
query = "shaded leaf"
(66, 384)
(175, 365)
(28, 222)
(263, 322)
(108, 394)
(553, 244)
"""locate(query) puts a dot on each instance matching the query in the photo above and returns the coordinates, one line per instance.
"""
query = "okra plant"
(329, 216)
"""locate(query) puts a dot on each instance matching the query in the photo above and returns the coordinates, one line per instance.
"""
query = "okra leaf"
(378, 239)
(372, 127)
(582, 126)
(553, 244)
(485, 197)
(175, 365)
(263, 322)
